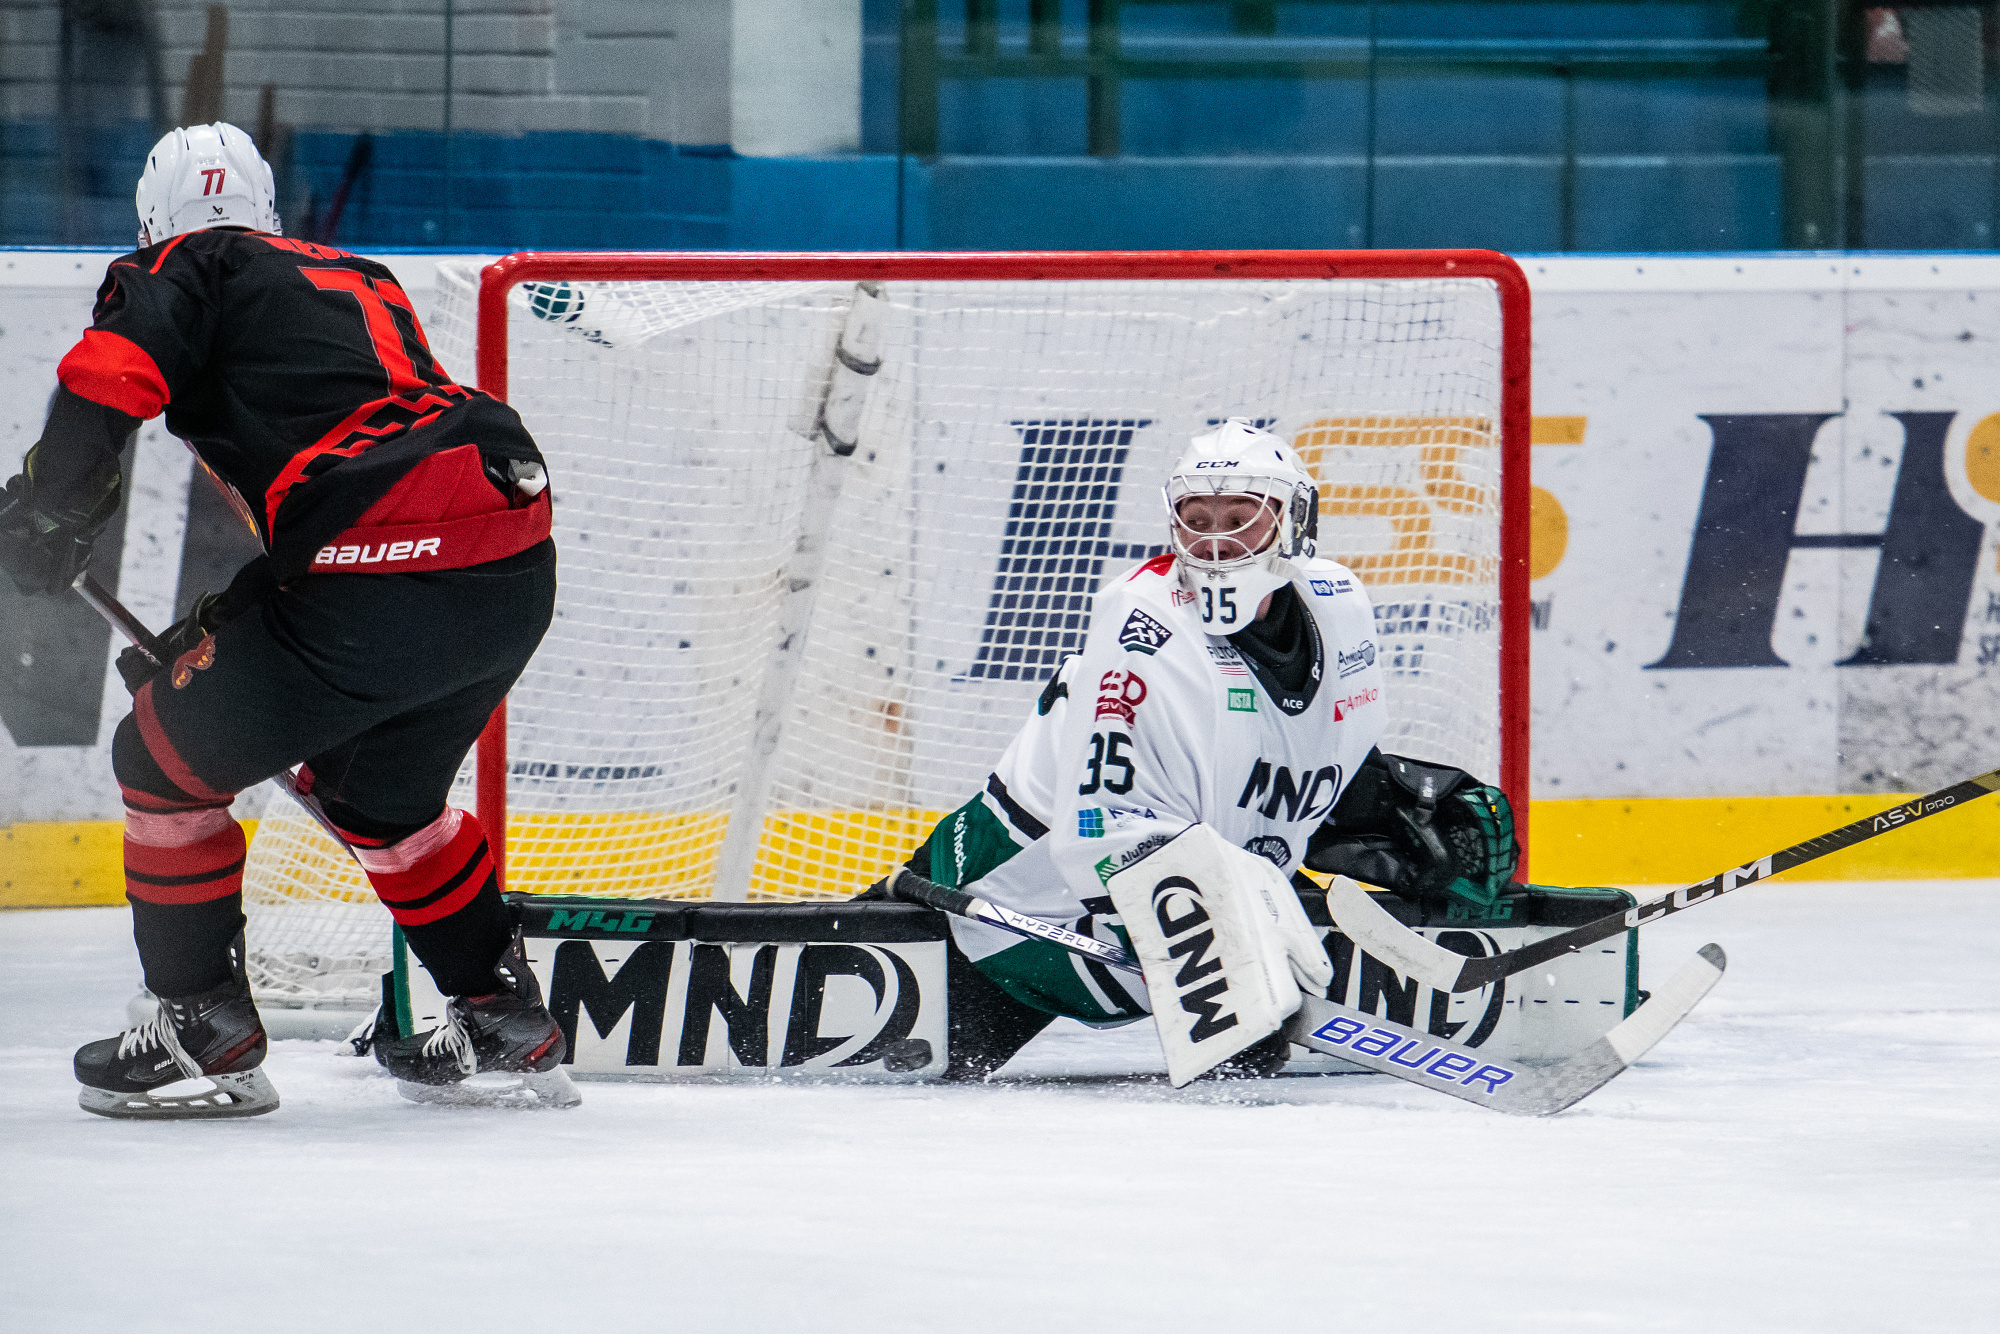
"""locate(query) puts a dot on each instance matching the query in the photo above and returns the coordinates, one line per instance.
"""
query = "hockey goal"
(827, 522)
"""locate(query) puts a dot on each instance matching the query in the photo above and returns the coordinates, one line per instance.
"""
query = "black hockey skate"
(197, 1059)
(499, 1050)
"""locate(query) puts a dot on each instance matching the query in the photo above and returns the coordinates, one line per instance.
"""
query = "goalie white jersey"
(1158, 725)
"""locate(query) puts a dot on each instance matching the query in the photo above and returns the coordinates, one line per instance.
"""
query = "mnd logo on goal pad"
(652, 1006)
(1056, 544)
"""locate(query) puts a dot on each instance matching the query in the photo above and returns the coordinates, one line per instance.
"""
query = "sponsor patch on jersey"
(1243, 701)
(1090, 823)
(1227, 660)
(1119, 694)
(1342, 707)
(1362, 658)
(1143, 634)
(1272, 848)
(1145, 847)
(1182, 597)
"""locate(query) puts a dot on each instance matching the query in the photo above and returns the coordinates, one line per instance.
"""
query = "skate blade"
(210, 1098)
(525, 1090)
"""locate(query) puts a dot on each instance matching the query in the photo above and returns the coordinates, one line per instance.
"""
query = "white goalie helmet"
(1230, 565)
(205, 176)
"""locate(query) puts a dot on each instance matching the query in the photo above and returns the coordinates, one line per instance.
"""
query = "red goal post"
(1510, 284)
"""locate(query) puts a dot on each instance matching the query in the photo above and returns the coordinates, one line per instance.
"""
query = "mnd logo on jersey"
(1308, 795)
(654, 1005)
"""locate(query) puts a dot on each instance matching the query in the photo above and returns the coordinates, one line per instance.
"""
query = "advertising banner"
(1766, 532)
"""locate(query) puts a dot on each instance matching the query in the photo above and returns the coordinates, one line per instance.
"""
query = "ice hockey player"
(1232, 682)
(407, 576)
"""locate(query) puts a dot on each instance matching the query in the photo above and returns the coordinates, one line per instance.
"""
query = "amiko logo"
(1747, 530)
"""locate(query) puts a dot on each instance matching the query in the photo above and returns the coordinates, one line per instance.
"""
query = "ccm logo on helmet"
(372, 555)
(1218, 463)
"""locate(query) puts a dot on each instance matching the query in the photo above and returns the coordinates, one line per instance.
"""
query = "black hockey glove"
(212, 611)
(183, 636)
(1428, 832)
(44, 549)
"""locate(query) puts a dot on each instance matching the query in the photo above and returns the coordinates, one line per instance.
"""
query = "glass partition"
(1627, 125)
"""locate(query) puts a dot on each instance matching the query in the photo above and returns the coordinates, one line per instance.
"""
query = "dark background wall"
(1634, 126)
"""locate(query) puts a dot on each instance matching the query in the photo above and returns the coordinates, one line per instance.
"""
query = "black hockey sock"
(437, 880)
(460, 950)
(184, 947)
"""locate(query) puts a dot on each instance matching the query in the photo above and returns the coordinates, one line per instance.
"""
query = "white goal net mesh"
(774, 666)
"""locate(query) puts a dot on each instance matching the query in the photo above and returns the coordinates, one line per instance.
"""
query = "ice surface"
(1813, 1150)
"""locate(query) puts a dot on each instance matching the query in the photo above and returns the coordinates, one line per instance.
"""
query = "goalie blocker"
(654, 989)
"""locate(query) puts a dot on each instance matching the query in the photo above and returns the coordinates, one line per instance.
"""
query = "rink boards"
(660, 989)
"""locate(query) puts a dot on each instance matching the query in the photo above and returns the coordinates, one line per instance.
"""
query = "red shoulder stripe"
(168, 249)
(1159, 564)
(108, 368)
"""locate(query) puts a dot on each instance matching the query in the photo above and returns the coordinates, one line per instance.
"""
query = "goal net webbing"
(775, 665)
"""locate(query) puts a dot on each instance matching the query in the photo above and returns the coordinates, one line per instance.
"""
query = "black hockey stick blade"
(1518, 1087)
(1381, 935)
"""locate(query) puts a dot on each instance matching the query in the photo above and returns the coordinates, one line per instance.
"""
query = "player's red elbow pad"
(116, 372)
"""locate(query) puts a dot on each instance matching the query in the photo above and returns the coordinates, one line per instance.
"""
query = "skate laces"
(450, 1038)
(160, 1032)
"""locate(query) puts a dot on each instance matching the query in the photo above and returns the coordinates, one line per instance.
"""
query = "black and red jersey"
(298, 373)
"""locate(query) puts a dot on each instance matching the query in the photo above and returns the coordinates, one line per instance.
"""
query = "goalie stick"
(1386, 1047)
(1375, 931)
(1518, 1087)
(913, 888)
(134, 629)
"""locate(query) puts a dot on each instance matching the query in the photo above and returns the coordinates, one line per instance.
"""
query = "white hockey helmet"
(205, 176)
(1230, 577)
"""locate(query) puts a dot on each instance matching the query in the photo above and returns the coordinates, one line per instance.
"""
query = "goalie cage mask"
(1239, 459)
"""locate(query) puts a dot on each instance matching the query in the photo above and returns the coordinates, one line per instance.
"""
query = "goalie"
(408, 575)
(1227, 702)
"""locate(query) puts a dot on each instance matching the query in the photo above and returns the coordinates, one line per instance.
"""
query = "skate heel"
(499, 1088)
(208, 1097)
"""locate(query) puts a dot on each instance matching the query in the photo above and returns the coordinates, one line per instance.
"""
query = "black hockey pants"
(380, 683)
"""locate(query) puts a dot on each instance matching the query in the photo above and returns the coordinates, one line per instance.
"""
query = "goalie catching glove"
(1430, 833)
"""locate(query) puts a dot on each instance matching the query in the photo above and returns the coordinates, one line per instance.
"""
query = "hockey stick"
(134, 629)
(910, 887)
(1384, 1046)
(1379, 934)
(1519, 1088)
